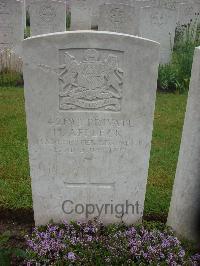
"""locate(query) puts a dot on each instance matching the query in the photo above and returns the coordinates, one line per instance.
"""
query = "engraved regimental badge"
(90, 85)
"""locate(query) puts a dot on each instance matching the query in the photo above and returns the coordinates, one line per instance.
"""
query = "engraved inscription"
(158, 18)
(5, 34)
(94, 135)
(47, 13)
(189, 11)
(93, 84)
(169, 4)
(4, 7)
(117, 15)
(118, 18)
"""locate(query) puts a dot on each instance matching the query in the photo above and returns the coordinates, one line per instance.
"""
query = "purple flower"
(131, 232)
(181, 253)
(71, 256)
(165, 243)
(79, 223)
(60, 233)
(48, 244)
(145, 255)
(196, 257)
(89, 238)
(162, 256)
(52, 228)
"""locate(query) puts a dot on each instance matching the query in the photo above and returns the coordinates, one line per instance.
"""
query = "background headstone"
(143, 3)
(159, 24)
(119, 18)
(95, 4)
(68, 4)
(169, 4)
(24, 13)
(90, 119)
(184, 211)
(47, 16)
(11, 24)
(81, 15)
(189, 14)
(27, 3)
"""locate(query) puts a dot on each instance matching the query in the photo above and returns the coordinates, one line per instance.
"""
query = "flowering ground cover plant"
(93, 243)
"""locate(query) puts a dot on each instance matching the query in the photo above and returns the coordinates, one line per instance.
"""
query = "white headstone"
(24, 13)
(90, 102)
(143, 3)
(11, 24)
(184, 211)
(85, 13)
(81, 15)
(159, 24)
(27, 3)
(169, 4)
(119, 18)
(189, 14)
(47, 16)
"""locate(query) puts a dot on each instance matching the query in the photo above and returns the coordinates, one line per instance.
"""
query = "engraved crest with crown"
(92, 83)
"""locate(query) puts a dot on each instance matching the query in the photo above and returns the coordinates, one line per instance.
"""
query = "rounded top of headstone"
(84, 34)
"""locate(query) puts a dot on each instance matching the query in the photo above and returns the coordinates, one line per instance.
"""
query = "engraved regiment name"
(94, 84)
(87, 135)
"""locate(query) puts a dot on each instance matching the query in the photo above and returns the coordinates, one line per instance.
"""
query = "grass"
(168, 123)
(10, 69)
(15, 189)
(175, 76)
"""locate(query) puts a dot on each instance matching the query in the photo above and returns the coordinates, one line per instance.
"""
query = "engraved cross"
(90, 185)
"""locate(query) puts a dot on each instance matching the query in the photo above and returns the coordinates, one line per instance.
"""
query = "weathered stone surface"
(184, 211)
(89, 102)
(47, 16)
(143, 3)
(11, 24)
(159, 24)
(189, 13)
(119, 18)
(24, 14)
(27, 4)
(81, 15)
(85, 13)
(168, 4)
(68, 4)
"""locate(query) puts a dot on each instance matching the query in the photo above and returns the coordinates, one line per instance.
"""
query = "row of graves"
(152, 19)
(90, 99)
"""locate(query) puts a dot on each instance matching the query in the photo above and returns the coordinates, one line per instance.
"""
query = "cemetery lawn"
(15, 183)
